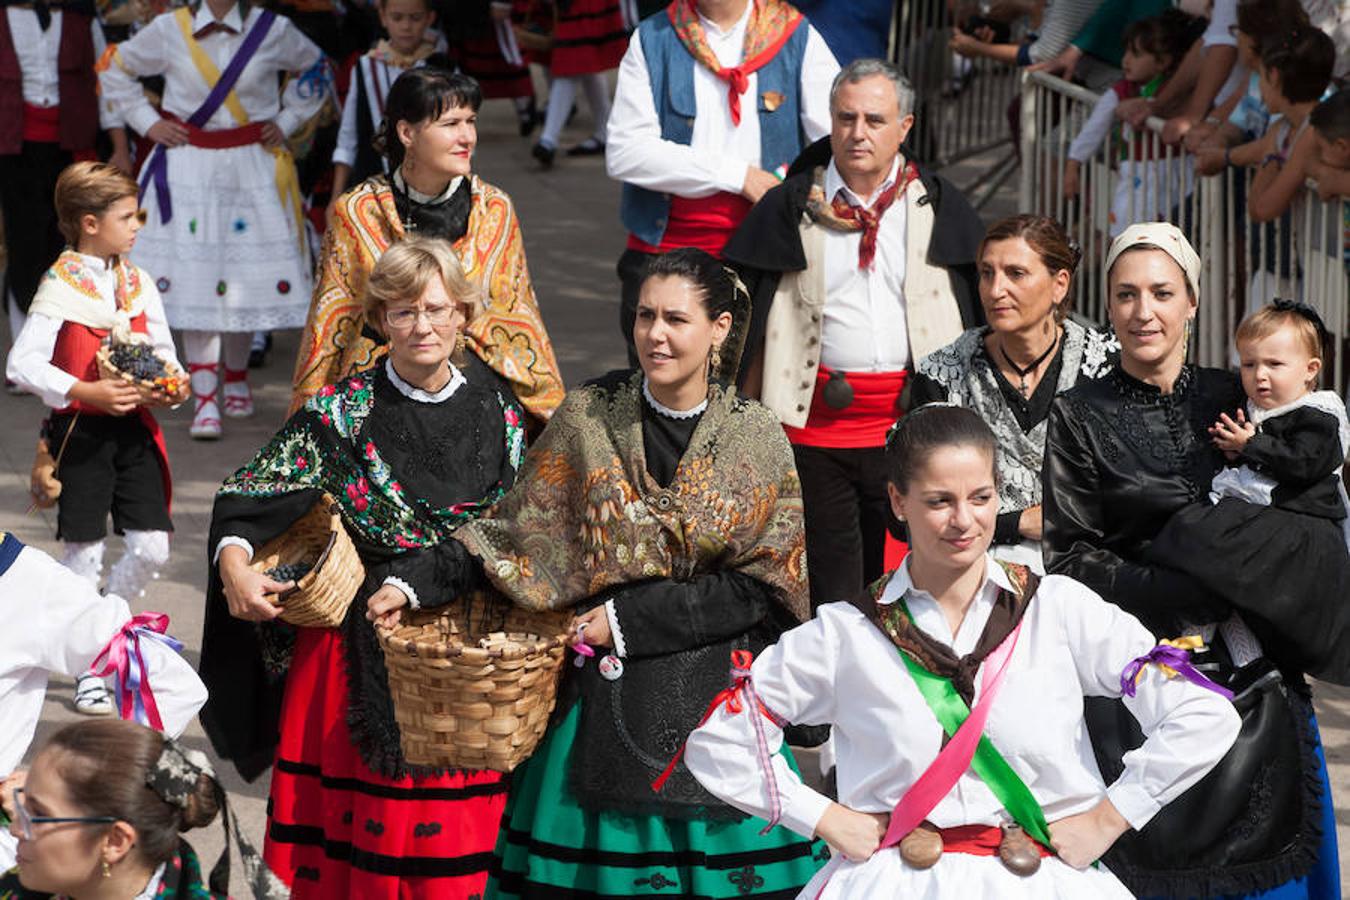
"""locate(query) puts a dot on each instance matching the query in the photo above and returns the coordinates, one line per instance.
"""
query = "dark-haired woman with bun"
(895, 672)
(1009, 370)
(100, 816)
(429, 135)
(666, 511)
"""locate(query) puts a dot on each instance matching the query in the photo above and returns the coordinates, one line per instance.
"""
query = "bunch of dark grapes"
(289, 571)
(137, 360)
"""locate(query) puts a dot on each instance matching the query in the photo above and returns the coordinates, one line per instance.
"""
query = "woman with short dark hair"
(430, 132)
(1010, 370)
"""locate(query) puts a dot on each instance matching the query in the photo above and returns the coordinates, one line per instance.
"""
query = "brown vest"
(77, 86)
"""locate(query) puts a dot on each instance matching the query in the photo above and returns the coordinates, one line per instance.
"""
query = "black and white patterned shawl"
(968, 377)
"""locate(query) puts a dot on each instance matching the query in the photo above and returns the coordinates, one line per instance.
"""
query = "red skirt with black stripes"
(337, 829)
(590, 36)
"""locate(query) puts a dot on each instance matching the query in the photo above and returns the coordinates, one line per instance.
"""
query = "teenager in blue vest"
(714, 98)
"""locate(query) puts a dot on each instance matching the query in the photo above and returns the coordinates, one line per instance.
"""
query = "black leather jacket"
(1120, 458)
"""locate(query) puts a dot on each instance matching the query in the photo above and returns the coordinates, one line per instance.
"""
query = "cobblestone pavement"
(572, 238)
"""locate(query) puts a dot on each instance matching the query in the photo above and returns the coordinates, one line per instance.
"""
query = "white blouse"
(159, 49)
(840, 669)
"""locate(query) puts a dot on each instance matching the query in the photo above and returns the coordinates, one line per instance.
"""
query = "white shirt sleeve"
(1096, 128)
(300, 101)
(107, 113)
(156, 323)
(796, 679)
(143, 55)
(1223, 15)
(1187, 728)
(819, 69)
(231, 540)
(345, 151)
(30, 361)
(636, 153)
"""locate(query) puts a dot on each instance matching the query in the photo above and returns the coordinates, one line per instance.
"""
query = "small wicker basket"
(151, 394)
(321, 596)
(468, 699)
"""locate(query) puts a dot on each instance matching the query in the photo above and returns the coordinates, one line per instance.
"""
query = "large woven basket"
(468, 698)
(151, 394)
(320, 598)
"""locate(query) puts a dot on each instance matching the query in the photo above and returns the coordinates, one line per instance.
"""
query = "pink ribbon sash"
(124, 660)
(954, 759)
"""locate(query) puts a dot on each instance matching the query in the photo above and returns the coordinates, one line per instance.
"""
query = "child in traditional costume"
(109, 449)
(225, 238)
(488, 50)
(410, 43)
(955, 689)
(1280, 509)
(589, 39)
(411, 450)
(430, 193)
(57, 622)
(666, 511)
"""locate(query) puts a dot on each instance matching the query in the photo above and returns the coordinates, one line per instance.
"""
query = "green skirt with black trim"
(550, 847)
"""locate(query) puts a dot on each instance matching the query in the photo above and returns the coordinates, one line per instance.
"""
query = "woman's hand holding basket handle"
(246, 590)
(385, 606)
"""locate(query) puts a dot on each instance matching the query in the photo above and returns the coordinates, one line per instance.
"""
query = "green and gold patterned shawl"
(585, 515)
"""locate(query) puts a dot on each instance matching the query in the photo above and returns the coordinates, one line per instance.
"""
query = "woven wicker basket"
(322, 595)
(150, 395)
(474, 700)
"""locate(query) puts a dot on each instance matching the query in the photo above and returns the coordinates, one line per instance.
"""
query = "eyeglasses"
(404, 319)
(27, 821)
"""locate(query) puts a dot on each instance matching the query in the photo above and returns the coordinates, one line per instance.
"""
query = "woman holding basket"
(666, 511)
(410, 450)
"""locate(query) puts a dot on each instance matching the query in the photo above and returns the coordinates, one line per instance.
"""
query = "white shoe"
(206, 423)
(238, 400)
(91, 696)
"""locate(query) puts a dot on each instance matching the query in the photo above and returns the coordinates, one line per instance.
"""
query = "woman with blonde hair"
(411, 450)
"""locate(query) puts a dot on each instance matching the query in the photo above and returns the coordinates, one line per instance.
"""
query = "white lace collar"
(417, 196)
(421, 396)
(1326, 401)
(666, 410)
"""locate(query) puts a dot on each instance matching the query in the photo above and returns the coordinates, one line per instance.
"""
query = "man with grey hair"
(858, 264)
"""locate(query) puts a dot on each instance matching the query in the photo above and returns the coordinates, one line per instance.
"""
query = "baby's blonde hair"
(1269, 319)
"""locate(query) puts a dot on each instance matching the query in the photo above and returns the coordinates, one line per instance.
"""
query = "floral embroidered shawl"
(507, 333)
(585, 515)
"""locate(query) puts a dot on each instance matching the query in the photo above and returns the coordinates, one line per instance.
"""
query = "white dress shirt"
(863, 327)
(159, 49)
(719, 153)
(38, 53)
(840, 669)
(30, 359)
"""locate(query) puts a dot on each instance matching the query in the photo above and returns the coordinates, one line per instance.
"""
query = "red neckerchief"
(771, 23)
(868, 219)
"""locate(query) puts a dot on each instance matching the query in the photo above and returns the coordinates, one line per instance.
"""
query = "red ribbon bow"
(122, 658)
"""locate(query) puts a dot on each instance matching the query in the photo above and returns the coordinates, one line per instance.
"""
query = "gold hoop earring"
(460, 344)
(107, 869)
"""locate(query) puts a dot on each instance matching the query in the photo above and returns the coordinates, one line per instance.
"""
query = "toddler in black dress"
(1280, 509)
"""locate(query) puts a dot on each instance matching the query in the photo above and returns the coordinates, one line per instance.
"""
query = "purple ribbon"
(1175, 658)
(157, 164)
(123, 659)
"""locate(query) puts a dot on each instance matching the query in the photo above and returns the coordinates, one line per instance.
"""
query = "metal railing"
(961, 105)
(1301, 255)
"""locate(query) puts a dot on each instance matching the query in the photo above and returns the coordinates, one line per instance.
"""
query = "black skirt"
(1288, 574)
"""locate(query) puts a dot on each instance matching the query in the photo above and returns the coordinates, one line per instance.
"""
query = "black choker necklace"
(1024, 371)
